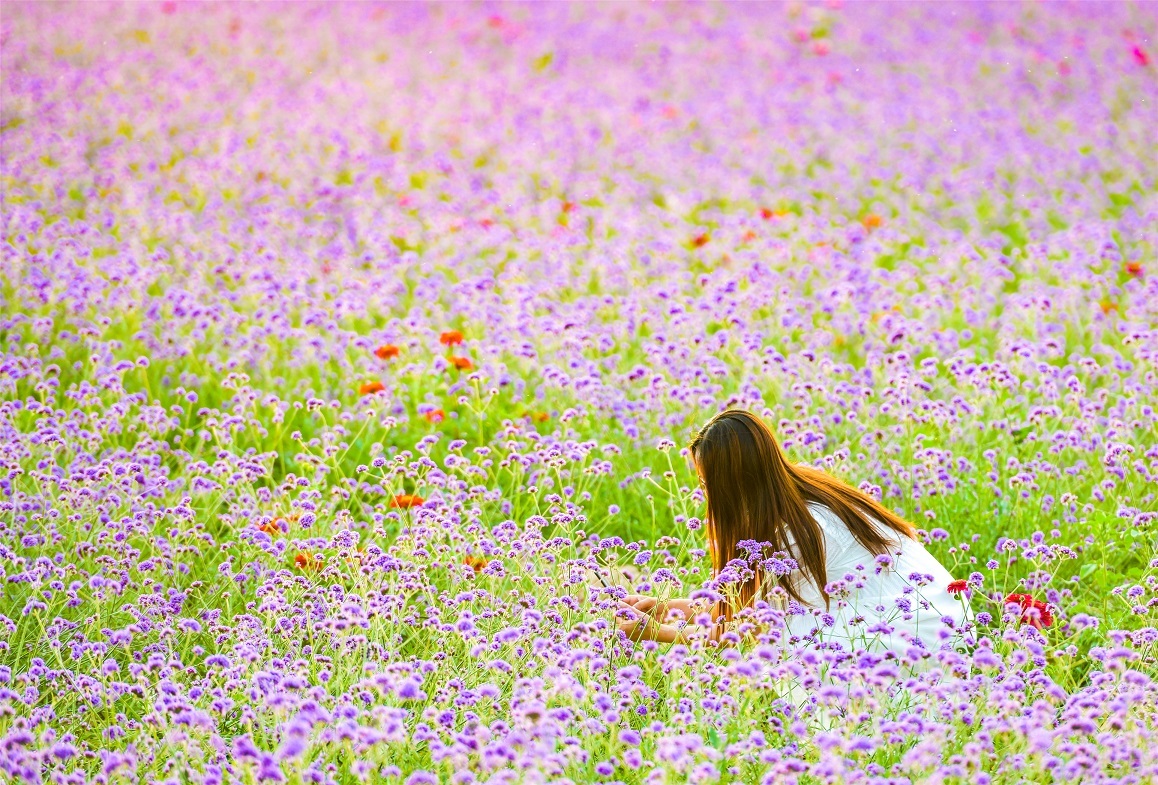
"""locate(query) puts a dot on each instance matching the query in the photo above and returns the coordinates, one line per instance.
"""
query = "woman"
(862, 579)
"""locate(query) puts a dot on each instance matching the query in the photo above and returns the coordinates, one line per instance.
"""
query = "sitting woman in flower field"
(854, 572)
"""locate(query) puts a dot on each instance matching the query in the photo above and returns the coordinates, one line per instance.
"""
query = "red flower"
(386, 351)
(1134, 269)
(404, 501)
(1140, 56)
(370, 388)
(765, 213)
(450, 338)
(476, 563)
(304, 561)
(956, 587)
(700, 240)
(462, 363)
(1041, 618)
(436, 416)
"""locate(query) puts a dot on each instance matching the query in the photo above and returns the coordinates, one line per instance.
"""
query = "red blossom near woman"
(956, 587)
(436, 416)
(404, 501)
(387, 351)
(450, 338)
(1042, 617)
(371, 388)
(462, 363)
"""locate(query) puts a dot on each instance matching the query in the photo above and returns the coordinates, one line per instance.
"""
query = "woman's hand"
(639, 625)
(660, 610)
(633, 622)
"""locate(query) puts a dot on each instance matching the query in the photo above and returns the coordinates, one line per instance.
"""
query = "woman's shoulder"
(830, 523)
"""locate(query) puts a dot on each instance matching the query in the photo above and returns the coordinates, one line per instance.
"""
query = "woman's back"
(878, 602)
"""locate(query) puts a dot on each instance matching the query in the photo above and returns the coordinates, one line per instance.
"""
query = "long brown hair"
(754, 493)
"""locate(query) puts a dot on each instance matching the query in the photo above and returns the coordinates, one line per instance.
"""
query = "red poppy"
(435, 416)
(1043, 617)
(956, 587)
(370, 388)
(1134, 269)
(404, 501)
(700, 240)
(766, 213)
(462, 363)
(568, 206)
(450, 338)
(476, 563)
(304, 561)
(386, 351)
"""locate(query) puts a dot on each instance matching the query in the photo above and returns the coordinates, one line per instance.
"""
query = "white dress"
(911, 596)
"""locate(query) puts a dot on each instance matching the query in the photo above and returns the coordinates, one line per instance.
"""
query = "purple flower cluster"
(344, 347)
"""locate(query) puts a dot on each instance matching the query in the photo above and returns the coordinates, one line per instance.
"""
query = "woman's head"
(754, 493)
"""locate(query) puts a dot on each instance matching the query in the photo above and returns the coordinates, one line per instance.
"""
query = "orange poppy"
(765, 213)
(1108, 305)
(462, 363)
(404, 501)
(872, 221)
(1134, 268)
(542, 417)
(436, 416)
(476, 563)
(749, 236)
(700, 240)
(568, 206)
(370, 388)
(386, 351)
(271, 528)
(450, 338)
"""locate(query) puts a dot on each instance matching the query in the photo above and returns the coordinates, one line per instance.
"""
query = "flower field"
(341, 344)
